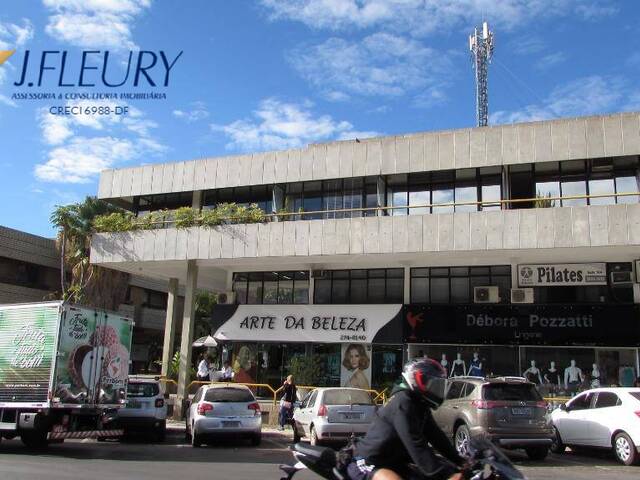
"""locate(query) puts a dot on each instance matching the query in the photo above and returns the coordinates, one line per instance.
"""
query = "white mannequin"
(475, 367)
(533, 371)
(595, 376)
(444, 362)
(573, 375)
(552, 370)
(458, 367)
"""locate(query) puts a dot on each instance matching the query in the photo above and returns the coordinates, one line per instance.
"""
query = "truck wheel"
(625, 449)
(537, 453)
(34, 439)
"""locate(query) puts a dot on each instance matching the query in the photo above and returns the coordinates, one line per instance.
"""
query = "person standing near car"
(203, 369)
(286, 401)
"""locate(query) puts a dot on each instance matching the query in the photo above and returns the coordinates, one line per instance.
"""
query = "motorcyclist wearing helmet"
(405, 432)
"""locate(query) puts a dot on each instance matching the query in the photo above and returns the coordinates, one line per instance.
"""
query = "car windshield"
(143, 390)
(511, 392)
(635, 395)
(346, 397)
(228, 395)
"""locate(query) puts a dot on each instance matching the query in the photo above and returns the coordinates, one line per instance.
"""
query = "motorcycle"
(486, 462)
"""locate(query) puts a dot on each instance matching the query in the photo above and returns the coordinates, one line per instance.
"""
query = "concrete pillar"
(169, 326)
(187, 337)
(196, 201)
(312, 287)
(407, 285)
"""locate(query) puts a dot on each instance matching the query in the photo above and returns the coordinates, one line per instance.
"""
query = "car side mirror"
(564, 407)
(297, 404)
(187, 403)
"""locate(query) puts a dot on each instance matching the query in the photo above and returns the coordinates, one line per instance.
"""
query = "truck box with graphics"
(62, 368)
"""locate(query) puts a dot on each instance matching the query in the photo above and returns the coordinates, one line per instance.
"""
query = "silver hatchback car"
(333, 414)
(221, 410)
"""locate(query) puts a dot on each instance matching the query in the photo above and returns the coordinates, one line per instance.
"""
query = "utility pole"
(481, 47)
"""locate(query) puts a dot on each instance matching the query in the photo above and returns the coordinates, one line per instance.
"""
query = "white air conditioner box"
(621, 278)
(522, 295)
(227, 298)
(486, 294)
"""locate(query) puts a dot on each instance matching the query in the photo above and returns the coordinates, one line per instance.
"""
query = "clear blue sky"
(273, 74)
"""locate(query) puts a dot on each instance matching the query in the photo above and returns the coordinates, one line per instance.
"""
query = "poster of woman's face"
(356, 366)
(244, 363)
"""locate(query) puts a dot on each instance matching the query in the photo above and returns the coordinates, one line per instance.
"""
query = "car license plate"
(522, 411)
(133, 404)
(352, 416)
(227, 424)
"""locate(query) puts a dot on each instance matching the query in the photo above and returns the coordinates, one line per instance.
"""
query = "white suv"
(146, 408)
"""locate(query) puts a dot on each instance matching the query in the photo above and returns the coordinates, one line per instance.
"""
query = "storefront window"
(386, 366)
(442, 285)
(283, 288)
(360, 286)
(459, 360)
(330, 355)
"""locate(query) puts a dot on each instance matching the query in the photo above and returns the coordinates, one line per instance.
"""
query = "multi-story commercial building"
(30, 272)
(508, 250)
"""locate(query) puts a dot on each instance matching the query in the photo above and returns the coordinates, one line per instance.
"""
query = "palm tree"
(89, 285)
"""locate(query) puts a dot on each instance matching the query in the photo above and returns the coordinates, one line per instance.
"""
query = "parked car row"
(509, 411)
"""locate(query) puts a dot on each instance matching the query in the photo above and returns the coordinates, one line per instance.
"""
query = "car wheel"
(556, 445)
(195, 440)
(161, 434)
(537, 453)
(256, 439)
(461, 440)
(313, 438)
(35, 439)
(187, 432)
(624, 449)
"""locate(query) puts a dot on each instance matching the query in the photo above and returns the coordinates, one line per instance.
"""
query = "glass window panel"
(602, 187)
(464, 195)
(627, 184)
(358, 274)
(301, 292)
(240, 288)
(479, 270)
(572, 166)
(544, 190)
(322, 291)
(440, 272)
(285, 292)
(420, 290)
(312, 200)
(301, 275)
(460, 290)
(501, 270)
(254, 293)
(340, 291)
(377, 273)
(478, 282)
(547, 167)
(395, 273)
(490, 193)
(419, 272)
(376, 290)
(419, 197)
(340, 274)
(371, 198)
(270, 295)
(395, 290)
(571, 188)
(466, 174)
(459, 271)
(399, 199)
(439, 290)
(440, 196)
(358, 291)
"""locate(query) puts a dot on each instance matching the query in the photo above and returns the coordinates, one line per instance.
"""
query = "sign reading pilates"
(307, 323)
(562, 274)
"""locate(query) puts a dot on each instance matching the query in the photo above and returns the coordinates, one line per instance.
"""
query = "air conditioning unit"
(318, 273)
(486, 294)
(522, 295)
(620, 279)
(226, 298)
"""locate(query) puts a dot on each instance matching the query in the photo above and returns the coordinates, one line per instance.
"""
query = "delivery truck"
(63, 371)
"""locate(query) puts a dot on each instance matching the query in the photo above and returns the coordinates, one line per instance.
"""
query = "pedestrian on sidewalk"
(286, 401)
(203, 368)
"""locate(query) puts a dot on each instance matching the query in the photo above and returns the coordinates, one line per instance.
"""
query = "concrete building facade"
(496, 249)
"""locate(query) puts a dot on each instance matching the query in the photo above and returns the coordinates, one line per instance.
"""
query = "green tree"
(89, 285)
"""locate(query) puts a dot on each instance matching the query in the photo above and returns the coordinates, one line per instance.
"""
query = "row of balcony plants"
(183, 217)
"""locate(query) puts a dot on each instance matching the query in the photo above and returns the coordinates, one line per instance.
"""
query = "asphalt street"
(236, 460)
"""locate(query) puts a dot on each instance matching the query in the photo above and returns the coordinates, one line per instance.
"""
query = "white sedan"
(333, 415)
(604, 418)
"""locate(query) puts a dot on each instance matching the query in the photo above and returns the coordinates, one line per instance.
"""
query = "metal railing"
(389, 210)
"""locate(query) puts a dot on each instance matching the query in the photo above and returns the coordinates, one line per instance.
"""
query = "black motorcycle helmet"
(427, 378)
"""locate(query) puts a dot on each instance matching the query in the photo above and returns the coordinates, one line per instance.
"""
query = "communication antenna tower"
(481, 47)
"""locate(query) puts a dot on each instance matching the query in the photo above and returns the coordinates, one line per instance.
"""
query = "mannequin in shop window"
(458, 367)
(595, 376)
(445, 363)
(475, 367)
(552, 377)
(573, 377)
(533, 373)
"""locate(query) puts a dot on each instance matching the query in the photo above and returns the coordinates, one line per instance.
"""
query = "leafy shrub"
(114, 222)
(184, 217)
